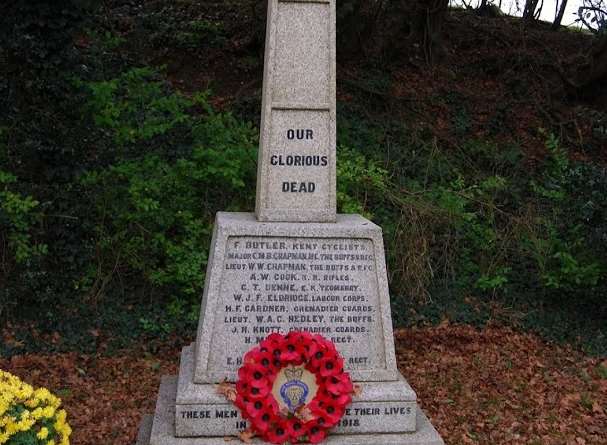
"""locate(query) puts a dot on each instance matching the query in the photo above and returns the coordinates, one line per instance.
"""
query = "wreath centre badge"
(294, 387)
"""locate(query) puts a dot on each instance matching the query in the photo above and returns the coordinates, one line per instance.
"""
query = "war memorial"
(294, 265)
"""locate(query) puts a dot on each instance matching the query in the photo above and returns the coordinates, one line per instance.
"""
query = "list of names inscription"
(324, 286)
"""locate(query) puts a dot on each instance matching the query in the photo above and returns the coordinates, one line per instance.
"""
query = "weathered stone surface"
(163, 430)
(387, 407)
(296, 173)
(275, 277)
(145, 430)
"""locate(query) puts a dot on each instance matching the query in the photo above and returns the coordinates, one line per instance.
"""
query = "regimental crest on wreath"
(294, 387)
(294, 392)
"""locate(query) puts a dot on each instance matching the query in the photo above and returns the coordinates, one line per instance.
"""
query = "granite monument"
(295, 264)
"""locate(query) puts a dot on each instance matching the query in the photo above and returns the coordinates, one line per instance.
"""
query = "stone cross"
(296, 170)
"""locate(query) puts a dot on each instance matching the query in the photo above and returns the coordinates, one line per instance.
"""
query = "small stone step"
(145, 430)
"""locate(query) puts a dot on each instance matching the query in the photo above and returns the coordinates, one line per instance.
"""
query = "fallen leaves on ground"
(105, 397)
(495, 386)
(500, 386)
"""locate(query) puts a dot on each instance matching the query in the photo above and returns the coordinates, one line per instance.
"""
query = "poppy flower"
(254, 408)
(293, 353)
(295, 429)
(277, 435)
(264, 421)
(318, 403)
(320, 421)
(325, 344)
(332, 413)
(316, 359)
(240, 403)
(272, 341)
(310, 348)
(327, 397)
(255, 376)
(339, 384)
(330, 366)
(242, 387)
(299, 337)
(316, 434)
(243, 374)
(260, 383)
(328, 408)
(257, 393)
(271, 404)
(251, 357)
(265, 359)
(343, 399)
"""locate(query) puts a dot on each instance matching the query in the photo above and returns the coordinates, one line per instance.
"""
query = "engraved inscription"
(358, 418)
(300, 134)
(300, 164)
(320, 285)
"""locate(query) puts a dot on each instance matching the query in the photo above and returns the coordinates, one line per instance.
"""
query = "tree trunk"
(350, 25)
(559, 16)
(428, 25)
(529, 9)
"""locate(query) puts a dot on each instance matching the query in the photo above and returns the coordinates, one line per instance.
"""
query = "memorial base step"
(387, 407)
(161, 429)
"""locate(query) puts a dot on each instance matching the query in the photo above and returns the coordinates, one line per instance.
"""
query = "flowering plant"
(275, 396)
(30, 416)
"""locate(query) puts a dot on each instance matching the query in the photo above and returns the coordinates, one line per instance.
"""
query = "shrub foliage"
(110, 180)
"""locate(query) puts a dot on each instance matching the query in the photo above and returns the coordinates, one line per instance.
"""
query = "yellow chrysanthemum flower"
(48, 412)
(43, 433)
(29, 408)
(4, 438)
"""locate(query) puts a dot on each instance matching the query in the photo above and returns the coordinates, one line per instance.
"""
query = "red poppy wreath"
(293, 388)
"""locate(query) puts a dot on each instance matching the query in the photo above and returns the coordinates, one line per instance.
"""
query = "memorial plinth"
(295, 264)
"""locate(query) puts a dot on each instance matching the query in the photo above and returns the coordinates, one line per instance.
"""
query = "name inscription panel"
(319, 285)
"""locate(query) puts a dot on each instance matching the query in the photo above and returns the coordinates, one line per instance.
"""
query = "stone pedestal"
(276, 277)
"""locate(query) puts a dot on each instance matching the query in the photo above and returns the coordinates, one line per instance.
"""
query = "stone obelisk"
(296, 173)
(295, 264)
